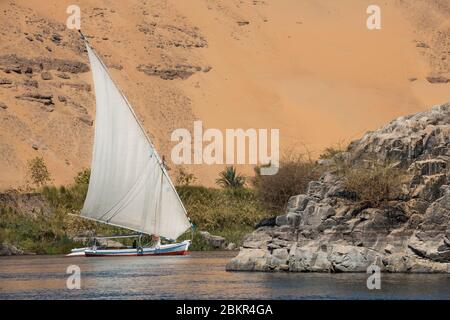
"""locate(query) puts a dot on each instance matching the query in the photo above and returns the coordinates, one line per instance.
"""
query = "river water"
(200, 275)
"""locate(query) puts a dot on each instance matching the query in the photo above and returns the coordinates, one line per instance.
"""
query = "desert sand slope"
(309, 68)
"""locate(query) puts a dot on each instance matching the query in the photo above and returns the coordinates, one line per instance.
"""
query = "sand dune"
(309, 68)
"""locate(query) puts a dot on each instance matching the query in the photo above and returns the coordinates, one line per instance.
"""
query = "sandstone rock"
(31, 83)
(12, 62)
(77, 86)
(290, 219)
(3, 106)
(169, 72)
(46, 99)
(437, 216)
(46, 75)
(429, 187)
(5, 83)
(281, 254)
(435, 248)
(115, 66)
(86, 120)
(63, 75)
(231, 246)
(250, 260)
(422, 45)
(438, 79)
(389, 248)
(298, 203)
(9, 250)
(406, 139)
(405, 263)
(215, 241)
(310, 258)
(429, 167)
(56, 38)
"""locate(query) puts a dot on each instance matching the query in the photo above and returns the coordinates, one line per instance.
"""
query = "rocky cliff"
(327, 230)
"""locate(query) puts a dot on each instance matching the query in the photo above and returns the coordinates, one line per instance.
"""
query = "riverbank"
(46, 221)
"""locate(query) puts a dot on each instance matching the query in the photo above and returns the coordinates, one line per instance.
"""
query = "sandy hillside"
(310, 68)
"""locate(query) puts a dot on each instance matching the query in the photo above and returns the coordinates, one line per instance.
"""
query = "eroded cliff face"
(327, 230)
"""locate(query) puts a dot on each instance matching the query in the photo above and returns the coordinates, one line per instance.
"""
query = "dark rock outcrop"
(178, 71)
(216, 242)
(13, 63)
(328, 230)
(438, 79)
(45, 99)
(46, 75)
(86, 120)
(5, 83)
(9, 250)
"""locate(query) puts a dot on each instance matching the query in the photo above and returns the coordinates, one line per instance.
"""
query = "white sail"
(128, 186)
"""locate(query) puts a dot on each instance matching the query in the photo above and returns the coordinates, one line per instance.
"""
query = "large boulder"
(250, 260)
(216, 242)
(9, 250)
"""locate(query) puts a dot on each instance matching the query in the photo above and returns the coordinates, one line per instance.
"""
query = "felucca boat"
(129, 186)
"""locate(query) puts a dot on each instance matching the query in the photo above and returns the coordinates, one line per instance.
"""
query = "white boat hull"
(162, 250)
(77, 252)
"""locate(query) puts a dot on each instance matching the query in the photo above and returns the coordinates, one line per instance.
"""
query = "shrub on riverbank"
(52, 232)
(41, 234)
(293, 177)
(229, 212)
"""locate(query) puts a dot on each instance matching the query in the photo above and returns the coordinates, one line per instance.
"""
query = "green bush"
(185, 178)
(293, 177)
(229, 212)
(38, 172)
(219, 209)
(41, 234)
(229, 178)
(373, 183)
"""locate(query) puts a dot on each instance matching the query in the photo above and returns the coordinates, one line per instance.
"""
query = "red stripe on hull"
(175, 253)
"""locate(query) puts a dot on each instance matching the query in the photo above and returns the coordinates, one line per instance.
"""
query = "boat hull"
(162, 250)
(78, 252)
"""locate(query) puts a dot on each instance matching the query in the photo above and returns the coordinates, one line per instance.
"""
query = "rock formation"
(178, 71)
(328, 230)
(9, 250)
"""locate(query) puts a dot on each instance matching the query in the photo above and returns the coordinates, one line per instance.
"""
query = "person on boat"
(156, 241)
(134, 244)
